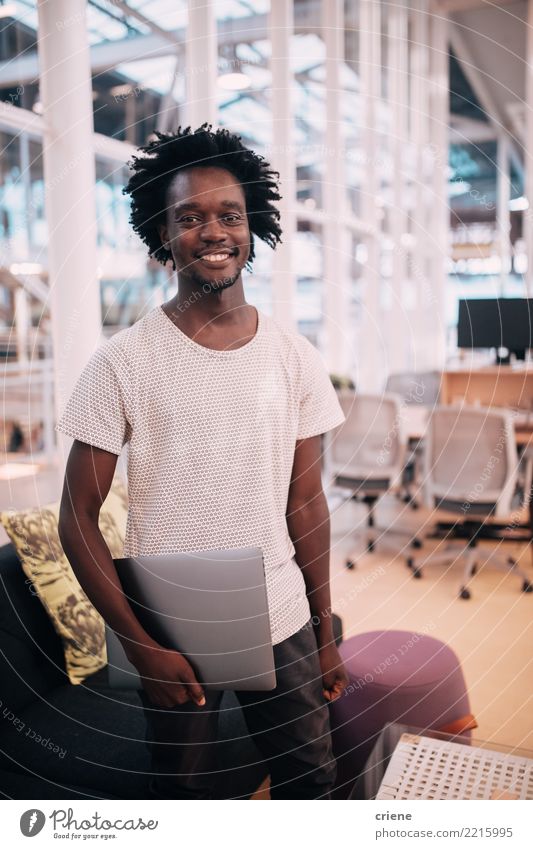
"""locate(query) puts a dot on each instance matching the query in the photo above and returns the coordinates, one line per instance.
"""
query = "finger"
(337, 689)
(194, 689)
(180, 695)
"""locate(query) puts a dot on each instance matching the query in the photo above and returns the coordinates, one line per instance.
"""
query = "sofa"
(63, 741)
(59, 740)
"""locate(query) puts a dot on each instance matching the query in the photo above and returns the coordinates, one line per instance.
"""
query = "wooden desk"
(494, 386)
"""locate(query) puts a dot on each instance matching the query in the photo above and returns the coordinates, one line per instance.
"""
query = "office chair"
(416, 389)
(471, 468)
(366, 454)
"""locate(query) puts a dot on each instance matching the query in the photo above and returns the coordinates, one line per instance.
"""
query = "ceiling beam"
(166, 35)
(477, 81)
(106, 56)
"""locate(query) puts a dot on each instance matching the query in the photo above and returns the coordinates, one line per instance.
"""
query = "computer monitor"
(496, 323)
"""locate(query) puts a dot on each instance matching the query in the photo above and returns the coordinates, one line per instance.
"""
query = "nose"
(212, 230)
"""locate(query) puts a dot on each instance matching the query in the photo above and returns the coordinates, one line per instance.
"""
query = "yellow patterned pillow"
(35, 537)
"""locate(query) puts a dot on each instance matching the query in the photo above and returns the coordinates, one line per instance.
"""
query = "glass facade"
(388, 235)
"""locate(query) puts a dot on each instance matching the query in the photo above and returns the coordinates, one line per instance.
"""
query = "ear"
(163, 235)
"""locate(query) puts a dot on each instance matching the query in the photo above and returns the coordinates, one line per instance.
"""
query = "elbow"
(306, 504)
(71, 524)
(65, 524)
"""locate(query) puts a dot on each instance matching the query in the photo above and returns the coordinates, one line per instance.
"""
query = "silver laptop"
(209, 605)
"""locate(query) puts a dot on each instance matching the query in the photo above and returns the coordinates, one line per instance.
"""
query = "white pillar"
(22, 323)
(397, 314)
(69, 173)
(440, 218)
(528, 151)
(201, 59)
(336, 283)
(503, 213)
(371, 344)
(423, 249)
(281, 26)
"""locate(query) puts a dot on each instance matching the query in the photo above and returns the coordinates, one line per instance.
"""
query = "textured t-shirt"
(211, 438)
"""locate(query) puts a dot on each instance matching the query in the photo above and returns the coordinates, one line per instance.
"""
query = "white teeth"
(215, 257)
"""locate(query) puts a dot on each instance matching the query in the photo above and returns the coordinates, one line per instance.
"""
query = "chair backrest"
(471, 460)
(371, 437)
(415, 387)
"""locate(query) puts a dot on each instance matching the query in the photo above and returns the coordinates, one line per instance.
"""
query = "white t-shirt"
(211, 438)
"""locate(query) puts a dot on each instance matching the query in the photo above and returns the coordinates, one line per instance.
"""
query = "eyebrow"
(227, 204)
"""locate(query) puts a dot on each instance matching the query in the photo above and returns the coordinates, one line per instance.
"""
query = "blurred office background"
(400, 130)
(403, 133)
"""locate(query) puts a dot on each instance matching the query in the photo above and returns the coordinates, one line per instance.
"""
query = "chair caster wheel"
(527, 587)
(350, 564)
(416, 543)
(464, 593)
(416, 570)
(473, 570)
(371, 546)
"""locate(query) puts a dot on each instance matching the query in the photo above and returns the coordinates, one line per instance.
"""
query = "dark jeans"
(289, 725)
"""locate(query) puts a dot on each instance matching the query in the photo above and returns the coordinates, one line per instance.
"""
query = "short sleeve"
(320, 410)
(96, 411)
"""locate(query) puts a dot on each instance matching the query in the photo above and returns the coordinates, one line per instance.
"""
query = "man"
(222, 411)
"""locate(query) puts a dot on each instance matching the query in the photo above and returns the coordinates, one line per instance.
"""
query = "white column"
(422, 250)
(69, 174)
(528, 151)
(336, 283)
(22, 323)
(283, 276)
(201, 60)
(503, 213)
(440, 218)
(397, 315)
(371, 344)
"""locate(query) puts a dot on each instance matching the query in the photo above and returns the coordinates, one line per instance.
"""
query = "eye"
(188, 219)
(233, 218)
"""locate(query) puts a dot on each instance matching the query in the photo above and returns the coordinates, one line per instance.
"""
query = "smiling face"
(206, 227)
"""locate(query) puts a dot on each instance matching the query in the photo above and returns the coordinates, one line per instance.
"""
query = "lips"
(217, 258)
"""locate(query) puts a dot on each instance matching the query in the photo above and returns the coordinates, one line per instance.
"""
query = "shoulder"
(118, 357)
(125, 343)
(291, 344)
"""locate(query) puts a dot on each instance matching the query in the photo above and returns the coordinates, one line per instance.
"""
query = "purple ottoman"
(395, 676)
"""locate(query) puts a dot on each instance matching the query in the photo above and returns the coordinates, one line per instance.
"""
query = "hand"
(167, 677)
(334, 677)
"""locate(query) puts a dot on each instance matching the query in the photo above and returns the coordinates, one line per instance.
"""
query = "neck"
(192, 308)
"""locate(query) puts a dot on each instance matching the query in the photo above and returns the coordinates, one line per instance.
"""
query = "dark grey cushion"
(82, 737)
(31, 654)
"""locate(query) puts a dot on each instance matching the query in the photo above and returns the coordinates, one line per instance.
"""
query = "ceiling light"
(519, 204)
(234, 82)
(26, 268)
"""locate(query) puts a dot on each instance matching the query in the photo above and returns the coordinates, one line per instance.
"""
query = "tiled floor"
(492, 633)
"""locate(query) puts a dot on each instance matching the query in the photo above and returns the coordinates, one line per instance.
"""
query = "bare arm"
(309, 527)
(167, 676)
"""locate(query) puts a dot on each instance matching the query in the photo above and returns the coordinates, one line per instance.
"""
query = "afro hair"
(169, 153)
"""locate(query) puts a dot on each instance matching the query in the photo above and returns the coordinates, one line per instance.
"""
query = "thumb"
(193, 687)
